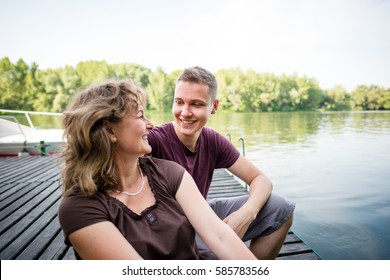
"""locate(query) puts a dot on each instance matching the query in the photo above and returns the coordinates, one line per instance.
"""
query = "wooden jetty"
(29, 199)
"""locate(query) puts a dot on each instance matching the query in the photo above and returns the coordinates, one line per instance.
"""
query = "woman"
(120, 204)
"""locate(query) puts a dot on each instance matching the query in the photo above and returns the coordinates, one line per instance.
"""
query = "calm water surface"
(335, 166)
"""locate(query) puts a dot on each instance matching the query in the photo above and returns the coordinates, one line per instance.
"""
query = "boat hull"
(41, 142)
(20, 140)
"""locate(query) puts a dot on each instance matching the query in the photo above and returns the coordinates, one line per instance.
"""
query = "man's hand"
(240, 220)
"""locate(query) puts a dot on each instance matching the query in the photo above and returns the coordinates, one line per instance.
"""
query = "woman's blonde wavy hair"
(89, 152)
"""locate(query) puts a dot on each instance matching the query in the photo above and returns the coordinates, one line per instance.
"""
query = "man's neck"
(188, 140)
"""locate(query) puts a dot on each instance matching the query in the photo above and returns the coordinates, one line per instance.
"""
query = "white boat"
(20, 140)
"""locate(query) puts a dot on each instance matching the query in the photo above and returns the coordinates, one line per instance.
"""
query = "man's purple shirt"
(212, 151)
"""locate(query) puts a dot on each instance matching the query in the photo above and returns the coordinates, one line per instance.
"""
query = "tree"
(69, 84)
(310, 95)
(6, 98)
(137, 73)
(25, 87)
(229, 89)
(50, 85)
(337, 99)
(359, 100)
(94, 72)
(17, 84)
(160, 91)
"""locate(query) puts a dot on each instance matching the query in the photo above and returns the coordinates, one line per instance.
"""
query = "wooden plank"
(225, 185)
(302, 256)
(24, 224)
(57, 250)
(20, 170)
(28, 168)
(69, 255)
(22, 234)
(12, 206)
(46, 235)
(28, 209)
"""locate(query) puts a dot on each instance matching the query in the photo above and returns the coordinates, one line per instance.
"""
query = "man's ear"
(215, 106)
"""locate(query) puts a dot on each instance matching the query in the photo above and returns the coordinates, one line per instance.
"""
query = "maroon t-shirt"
(161, 231)
(212, 151)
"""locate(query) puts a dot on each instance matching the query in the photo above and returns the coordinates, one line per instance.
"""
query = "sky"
(337, 42)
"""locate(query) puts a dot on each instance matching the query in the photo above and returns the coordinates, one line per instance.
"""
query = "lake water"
(334, 166)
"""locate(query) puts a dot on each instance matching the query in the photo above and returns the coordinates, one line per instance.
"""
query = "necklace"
(141, 187)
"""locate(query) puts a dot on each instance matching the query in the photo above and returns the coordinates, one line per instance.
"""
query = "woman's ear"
(112, 135)
(109, 129)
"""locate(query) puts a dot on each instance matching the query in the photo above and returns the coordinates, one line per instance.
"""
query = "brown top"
(161, 231)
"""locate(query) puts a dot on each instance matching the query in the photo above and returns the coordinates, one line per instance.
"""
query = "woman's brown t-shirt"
(161, 231)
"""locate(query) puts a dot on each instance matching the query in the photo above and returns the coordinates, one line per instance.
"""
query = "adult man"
(261, 217)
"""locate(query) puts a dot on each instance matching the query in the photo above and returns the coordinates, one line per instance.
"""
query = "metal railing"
(241, 139)
(28, 113)
(17, 122)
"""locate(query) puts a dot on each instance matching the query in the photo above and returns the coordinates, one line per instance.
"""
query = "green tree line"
(26, 87)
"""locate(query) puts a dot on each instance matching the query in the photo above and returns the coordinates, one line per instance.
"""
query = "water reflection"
(268, 127)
